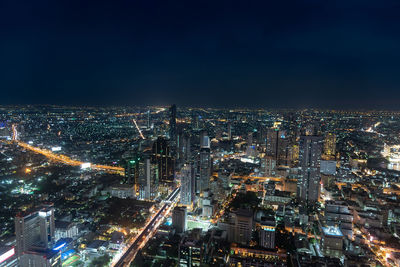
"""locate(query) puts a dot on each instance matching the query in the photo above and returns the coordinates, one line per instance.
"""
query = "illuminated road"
(64, 159)
(148, 231)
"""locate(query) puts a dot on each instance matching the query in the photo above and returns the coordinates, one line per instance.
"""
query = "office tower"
(148, 119)
(183, 145)
(148, 182)
(229, 131)
(205, 168)
(42, 258)
(179, 219)
(283, 150)
(204, 139)
(266, 224)
(172, 123)
(187, 180)
(268, 165)
(35, 229)
(337, 214)
(261, 136)
(328, 167)
(267, 235)
(243, 220)
(190, 252)
(272, 142)
(250, 139)
(330, 145)
(309, 173)
(131, 169)
(165, 162)
(332, 241)
(277, 146)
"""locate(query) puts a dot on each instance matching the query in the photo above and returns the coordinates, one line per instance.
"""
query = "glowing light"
(86, 165)
(137, 127)
(60, 246)
(7, 255)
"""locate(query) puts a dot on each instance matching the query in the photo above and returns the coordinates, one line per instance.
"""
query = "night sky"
(328, 54)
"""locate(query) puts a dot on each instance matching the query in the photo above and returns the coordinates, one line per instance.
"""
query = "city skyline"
(199, 133)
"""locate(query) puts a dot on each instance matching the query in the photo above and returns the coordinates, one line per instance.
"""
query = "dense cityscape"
(180, 186)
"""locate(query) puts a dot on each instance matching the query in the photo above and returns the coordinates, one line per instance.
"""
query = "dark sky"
(340, 54)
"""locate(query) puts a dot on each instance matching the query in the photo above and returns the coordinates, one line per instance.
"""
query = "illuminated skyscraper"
(309, 175)
(205, 165)
(162, 157)
(272, 143)
(330, 145)
(172, 123)
(187, 185)
(277, 146)
(148, 181)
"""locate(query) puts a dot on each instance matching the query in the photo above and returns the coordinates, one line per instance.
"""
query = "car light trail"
(137, 127)
(63, 158)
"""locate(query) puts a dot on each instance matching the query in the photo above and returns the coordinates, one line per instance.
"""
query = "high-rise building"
(337, 214)
(35, 229)
(229, 131)
(172, 123)
(42, 258)
(268, 165)
(204, 139)
(187, 185)
(278, 146)
(148, 119)
(272, 142)
(148, 181)
(165, 162)
(309, 173)
(179, 219)
(183, 145)
(205, 168)
(330, 145)
(267, 235)
(250, 139)
(131, 169)
(243, 220)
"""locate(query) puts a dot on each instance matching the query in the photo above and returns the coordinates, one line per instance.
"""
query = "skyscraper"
(148, 182)
(243, 220)
(172, 123)
(309, 175)
(187, 185)
(35, 229)
(179, 219)
(205, 165)
(148, 119)
(165, 162)
(272, 143)
(229, 130)
(330, 145)
(277, 146)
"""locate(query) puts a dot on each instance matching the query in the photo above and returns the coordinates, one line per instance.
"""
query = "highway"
(63, 158)
(148, 231)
